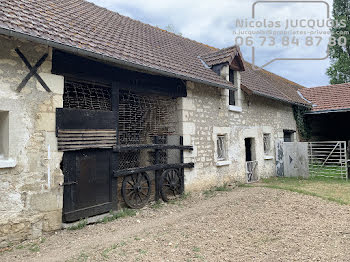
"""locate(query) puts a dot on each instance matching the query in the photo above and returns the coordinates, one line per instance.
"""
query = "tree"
(171, 28)
(339, 71)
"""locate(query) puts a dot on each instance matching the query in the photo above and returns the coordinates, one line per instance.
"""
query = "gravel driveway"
(246, 224)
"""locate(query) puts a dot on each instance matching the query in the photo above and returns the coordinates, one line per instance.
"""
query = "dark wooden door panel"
(89, 181)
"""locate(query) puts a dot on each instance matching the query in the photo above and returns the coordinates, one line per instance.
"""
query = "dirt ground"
(246, 224)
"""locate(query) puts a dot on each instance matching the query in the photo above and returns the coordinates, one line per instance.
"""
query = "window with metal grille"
(267, 144)
(221, 148)
(82, 95)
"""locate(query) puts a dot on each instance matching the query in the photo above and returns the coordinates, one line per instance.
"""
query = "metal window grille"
(267, 144)
(81, 95)
(143, 117)
(221, 150)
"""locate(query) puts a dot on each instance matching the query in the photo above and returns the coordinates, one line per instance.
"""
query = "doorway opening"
(249, 149)
(251, 163)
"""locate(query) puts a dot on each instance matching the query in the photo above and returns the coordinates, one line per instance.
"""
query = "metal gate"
(328, 159)
(251, 170)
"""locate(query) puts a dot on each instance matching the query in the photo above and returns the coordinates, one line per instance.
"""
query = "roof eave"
(102, 57)
(280, 99)
(329, 111)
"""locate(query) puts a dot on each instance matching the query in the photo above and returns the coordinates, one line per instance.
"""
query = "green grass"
(108, 250)
(335, 190)
(158, 204)
(34, 247)
(331, 171)
(212, 191)
(80, 225)
(126, 212)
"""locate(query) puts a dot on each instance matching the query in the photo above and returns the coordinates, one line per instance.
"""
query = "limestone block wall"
(30, 195)
(205, 113)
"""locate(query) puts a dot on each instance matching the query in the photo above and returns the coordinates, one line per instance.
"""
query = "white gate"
(292, 159)
(328, 159)
(251, 169)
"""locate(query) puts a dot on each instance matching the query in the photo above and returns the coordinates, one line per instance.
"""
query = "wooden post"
(156, 172)
(182, 170)
(115, 163)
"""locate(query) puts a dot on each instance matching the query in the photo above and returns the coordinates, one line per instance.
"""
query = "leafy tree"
(339, 71)
(171, 28)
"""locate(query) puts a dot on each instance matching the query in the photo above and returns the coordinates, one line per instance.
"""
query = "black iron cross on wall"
(32, 71)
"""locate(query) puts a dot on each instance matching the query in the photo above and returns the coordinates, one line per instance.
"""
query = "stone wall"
(205, 113)
(30, 195)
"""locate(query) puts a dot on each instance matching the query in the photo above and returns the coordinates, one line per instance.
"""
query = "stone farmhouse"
(98, 110)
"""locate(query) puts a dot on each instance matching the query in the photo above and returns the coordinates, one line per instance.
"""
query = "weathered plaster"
(29, 204)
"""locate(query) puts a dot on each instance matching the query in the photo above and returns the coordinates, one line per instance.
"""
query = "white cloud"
(213, 22)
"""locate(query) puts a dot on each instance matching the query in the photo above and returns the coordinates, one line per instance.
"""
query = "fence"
(328, 159)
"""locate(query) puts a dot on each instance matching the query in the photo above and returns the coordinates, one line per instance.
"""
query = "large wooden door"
(89, 185)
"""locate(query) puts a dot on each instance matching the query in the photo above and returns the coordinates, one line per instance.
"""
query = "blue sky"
(213, 23)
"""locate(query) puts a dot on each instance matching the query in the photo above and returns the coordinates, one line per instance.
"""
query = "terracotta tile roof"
(225, 55)
(265, 83)
(231, 55)
(86, 27)
(83, 25)
(332, 97)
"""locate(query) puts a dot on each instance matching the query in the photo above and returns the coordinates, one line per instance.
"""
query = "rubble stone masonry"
(30, 195)
(205, 113)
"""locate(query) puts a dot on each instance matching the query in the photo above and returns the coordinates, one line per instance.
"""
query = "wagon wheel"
(171, 184)
(136, 190)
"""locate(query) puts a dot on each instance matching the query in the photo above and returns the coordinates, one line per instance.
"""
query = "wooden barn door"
(87, 138)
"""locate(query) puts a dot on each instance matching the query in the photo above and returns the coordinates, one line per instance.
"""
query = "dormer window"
(232, 93)
(227, 63)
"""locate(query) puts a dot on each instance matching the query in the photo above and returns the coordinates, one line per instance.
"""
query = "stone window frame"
(221, 132)
(5, 160)
(221, 148)
(267, 144)
(234, 78)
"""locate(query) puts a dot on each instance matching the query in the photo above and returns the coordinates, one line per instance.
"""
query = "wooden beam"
(126, 148)
(131, 171)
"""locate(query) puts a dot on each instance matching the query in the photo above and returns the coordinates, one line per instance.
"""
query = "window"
(221, 148)
(232, 98)
(4, 134)
(232, 94)
(288, 135)
(267, 144)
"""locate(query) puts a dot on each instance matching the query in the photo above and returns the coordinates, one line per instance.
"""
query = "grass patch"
(107, 250)
(330, 189)
(142, 251)
(212, 191)
(158, 204)
(122, 213)
(34, 247)
(80, 225)
(196, 249)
